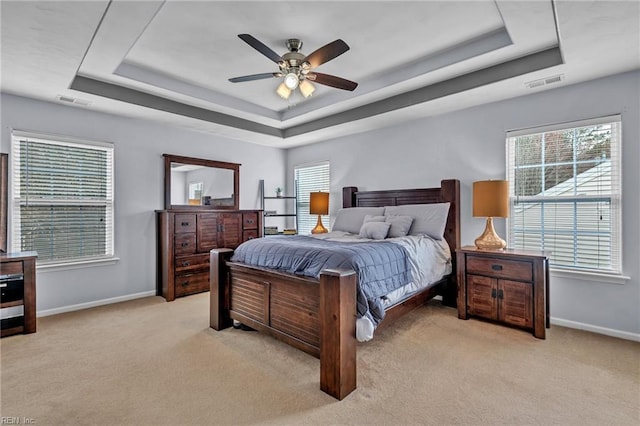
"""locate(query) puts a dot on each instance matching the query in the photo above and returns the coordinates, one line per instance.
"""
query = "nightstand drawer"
(500, 268)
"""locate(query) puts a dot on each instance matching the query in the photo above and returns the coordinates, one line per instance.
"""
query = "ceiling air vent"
(70, 100)
(544, 81)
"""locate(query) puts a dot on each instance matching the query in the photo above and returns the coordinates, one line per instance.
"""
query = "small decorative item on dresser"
(278, 192)
(508, 286)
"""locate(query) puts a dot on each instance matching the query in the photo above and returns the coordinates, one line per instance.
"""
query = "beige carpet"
(149, 362)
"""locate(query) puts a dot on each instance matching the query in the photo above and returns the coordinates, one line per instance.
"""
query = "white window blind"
(565, 192)
(310, 178)
(62, 198)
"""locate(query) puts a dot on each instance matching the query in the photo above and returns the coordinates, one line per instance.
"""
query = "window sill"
(590, 276)
(51, 267)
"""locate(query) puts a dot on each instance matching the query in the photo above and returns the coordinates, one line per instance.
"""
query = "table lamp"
(319, 204)
(490, 199)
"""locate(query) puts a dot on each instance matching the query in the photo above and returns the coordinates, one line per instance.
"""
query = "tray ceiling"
(171, 60)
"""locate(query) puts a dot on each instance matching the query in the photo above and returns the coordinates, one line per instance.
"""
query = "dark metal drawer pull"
(185, 224)
(496, 267)
(184, 244)
(185, 264)
(493, 293)
(249, 220)
(500, 294)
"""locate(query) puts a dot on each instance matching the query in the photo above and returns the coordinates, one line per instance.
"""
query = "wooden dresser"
(18, 288)
(507, 286)
(185, 237)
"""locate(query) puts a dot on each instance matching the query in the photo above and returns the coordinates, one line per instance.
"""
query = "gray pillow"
(375, 230)
(351, 219)
(400, 225)
(371, 218)
(428, 219)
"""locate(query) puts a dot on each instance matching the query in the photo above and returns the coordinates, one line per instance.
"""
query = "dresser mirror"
(198, 183)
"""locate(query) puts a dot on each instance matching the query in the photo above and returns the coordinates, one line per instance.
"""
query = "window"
(61, 198)
(565, 187)
(310, 178)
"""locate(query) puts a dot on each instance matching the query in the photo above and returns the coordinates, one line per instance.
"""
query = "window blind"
(62, 198)
(310, 178)
(565, 193)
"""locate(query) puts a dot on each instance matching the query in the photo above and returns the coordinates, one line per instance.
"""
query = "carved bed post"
(219, 289)
(338, 332)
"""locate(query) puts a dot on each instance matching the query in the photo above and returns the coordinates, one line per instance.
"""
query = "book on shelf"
(289, 232)
(270, 230)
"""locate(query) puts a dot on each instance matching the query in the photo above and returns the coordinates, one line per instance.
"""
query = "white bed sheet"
(430, 260)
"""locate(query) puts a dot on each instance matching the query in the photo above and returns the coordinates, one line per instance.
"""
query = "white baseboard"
(94, 303)
(595, 329)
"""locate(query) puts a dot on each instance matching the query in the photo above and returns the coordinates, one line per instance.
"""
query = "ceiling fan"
(297, 69)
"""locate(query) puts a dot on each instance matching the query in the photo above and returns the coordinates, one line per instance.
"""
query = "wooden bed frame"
(319, 316)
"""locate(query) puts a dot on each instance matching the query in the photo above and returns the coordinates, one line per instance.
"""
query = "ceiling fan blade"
(254, 77)
(332, 80)
(327, 53)
(260, 47)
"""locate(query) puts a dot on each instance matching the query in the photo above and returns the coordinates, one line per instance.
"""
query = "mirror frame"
(170, 158)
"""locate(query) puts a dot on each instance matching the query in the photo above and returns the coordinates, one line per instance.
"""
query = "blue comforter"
(381, 266)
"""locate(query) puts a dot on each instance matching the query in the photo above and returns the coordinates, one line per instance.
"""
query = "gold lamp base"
(489, 239)
(319, 229)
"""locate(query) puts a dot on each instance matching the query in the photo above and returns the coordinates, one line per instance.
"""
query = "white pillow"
(375, 230)
(428, 219)
(400, 225)
(351, 219)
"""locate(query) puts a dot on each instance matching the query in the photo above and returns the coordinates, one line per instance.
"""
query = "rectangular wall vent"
(544, 81)
(70, 100)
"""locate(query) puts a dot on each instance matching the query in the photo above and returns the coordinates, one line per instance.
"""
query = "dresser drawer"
(185, 222)
(12, 268)
(190, 264)
(250, 220)
(184, 244)
(193, 283)
(500, 268)
(250, 234)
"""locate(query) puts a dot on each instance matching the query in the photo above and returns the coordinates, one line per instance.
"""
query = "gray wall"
(139, 177)
(470, 145)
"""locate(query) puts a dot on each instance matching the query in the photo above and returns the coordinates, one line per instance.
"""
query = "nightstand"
(507, 286)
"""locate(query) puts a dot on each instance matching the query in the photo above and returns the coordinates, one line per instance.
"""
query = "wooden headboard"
(448, 192)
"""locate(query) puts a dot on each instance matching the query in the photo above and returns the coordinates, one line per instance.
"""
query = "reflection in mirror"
(201, 186)
(195, 182)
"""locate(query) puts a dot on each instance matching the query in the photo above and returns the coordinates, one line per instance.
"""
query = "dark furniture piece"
(319, 316)
(507, 286)
(187, 232)
(218, 177)
(185, 238)
(18, 288)
(4, 193)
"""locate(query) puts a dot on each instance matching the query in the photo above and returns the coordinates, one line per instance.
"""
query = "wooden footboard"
(318, 317)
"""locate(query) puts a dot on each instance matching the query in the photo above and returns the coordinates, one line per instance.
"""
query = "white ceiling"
(171, 60)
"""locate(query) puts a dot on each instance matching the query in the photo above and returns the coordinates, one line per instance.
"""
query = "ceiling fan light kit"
(296, 68)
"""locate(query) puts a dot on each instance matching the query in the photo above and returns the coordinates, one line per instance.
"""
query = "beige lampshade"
(491, 198)
(319, 203)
